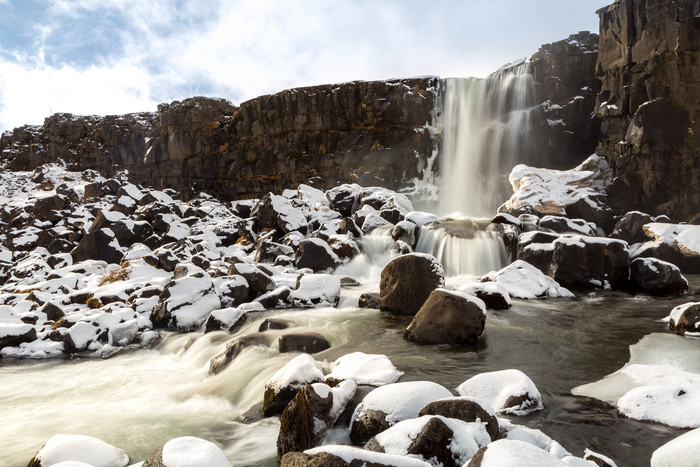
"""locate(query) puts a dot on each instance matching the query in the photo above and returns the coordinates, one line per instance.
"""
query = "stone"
(493, 295)
(685, 318)
(267, 251)
(275, 211)
(283, 386)
(343, 199)
(307, 342)
(47, 208)
(98, 245)
(369, 300)
(448, 317)
(322, 459)
(79, 450)
(12, 335)
(656, 277)
(273, 324)
(234, 347)
(589, 261)
(188, 450)
(258, 281)
(278, 298)
(630, 227)
(315, 254)
(407, 281)
(465, 409)
(506, 391)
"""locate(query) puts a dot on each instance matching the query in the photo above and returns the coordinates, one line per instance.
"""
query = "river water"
(139, 399)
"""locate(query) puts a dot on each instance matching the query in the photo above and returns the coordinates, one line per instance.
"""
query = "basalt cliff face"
(372, 133)
(649, 67)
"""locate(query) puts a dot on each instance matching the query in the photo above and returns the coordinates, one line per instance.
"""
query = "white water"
(485, 124)
(376, 252)
(464, 256)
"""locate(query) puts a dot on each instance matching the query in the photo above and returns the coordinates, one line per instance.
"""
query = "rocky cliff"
(372, 133)
(649, 67)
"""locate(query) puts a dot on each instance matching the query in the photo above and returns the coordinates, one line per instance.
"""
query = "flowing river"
(139, 399)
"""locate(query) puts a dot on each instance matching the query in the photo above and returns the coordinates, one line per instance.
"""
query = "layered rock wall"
(649, 67)
(372, 133)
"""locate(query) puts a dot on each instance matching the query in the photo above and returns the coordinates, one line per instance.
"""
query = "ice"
(495, 388)
(660, 383)
(368, 369)
(189, 451)
(79, 448)
(523, 280)
(401, 401)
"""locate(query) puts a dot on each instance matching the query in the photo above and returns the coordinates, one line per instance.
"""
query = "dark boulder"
(630, 227)
(407, 281)
(307, 342)
(99, 245)
(463, 409)
(315, 254)
(272, 324)
(221, 361)
(369, 300)
(656, 277)
(589, 262)
(447, 318)
(16, 335)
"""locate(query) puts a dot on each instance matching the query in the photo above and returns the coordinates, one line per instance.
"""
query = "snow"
(492, 288)
(523, 280)
(421, 218)
(189, 451)
(228, 316)
(401, 401)
(317, 290)
(677, 313)
(350, 453)
(660, 383)
(14, 329)
(687, 237)
(300, 370)
(532, 436)
(681, 451)
(496, 387)
(132, 191)
(550, 191)
(35, 350)
(466, 441)
(511, 453)
(191, 300)
(79, 448)
(367, 369)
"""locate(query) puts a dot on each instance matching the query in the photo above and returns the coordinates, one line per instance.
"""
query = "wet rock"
(657, 277)
(448, 317)
(685, 318)
(369, 300)
(234, 347)
(407, 281)
(315, 254)
(307, 342)
(465, 409)
(493, 295)
(405, 231)
(272, 323)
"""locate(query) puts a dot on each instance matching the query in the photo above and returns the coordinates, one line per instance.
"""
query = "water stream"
(139, 399)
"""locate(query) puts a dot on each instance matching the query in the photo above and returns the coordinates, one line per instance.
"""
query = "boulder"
(675, 243)
(630, 227)
(99, 245)
(225, 319)
(680, 451)
(307, 342)
(407, 281)
(46, 209)
(369, 300)
(259, 281)
(440, 440)
(404, 231)
(14, 334)
(232, 290)
(656, 277)
(344, 456)
(314, 290)
(281, 388)
(186, 302)
(685, 319)
(220, 362)
(187, 450)
(536, 248)
(315, 254)
(507, 391)
(465, 409)
(507, 452)
(364, 369)
(76, 449)
(523, 280)
(387, 405)
(274, 211)
(278, 298)
(314, 409)
(561, 224)
(448, 317)
(493, 295)
(343, 199)
(267, 251)
(84, 336)
(589, 261)
(272, 323)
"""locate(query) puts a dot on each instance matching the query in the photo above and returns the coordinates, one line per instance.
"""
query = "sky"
(118, 56)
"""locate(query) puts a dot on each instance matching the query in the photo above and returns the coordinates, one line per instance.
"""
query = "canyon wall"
(371, 133)
(649, 67)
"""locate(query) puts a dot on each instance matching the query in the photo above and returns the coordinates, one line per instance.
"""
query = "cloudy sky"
(119, 56)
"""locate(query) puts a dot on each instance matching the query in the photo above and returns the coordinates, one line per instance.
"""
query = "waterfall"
(485, 124)
(463, 248)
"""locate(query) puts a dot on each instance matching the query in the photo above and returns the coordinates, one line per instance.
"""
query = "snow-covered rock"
(685, 319)
(316, 290)
(523, 280)
(80, 448)
(366, 369)
(284, 384)
(506, 391)
(387, 405)
(407, 281)
(188, 451)
(494, 296)
(512, 453)
(657, 277)
(683, 451)
(350, 454)
(185, 303)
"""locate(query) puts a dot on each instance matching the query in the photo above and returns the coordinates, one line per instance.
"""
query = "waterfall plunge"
(485, 123)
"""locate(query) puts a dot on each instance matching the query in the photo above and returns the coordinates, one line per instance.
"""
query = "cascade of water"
(478, 255)
(376, 252)
(485, 124)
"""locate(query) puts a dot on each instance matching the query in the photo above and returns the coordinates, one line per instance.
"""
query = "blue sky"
(119, 56)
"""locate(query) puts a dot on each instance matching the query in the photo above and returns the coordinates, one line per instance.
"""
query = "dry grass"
(93, 303)
(116, 274)
(21, 291)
